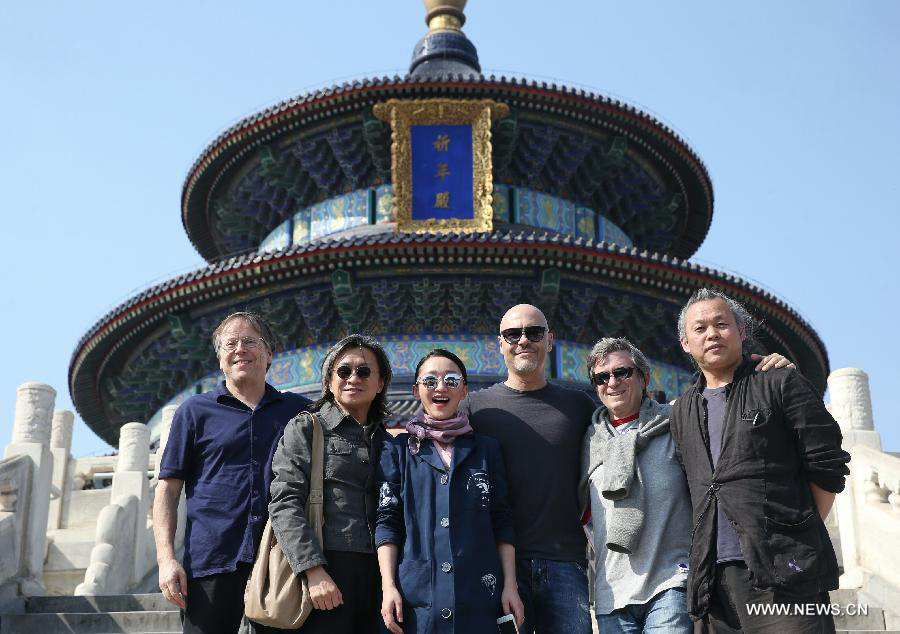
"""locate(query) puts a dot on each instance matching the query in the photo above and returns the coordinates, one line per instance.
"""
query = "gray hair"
(608, 345)
(745, 322)
(379, 410)
(259, 324)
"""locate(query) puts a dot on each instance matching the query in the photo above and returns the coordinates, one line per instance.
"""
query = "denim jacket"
(349, 490)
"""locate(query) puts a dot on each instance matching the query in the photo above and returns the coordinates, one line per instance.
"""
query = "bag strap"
(315, 501)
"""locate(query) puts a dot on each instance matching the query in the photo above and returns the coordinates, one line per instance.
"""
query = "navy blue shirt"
(728, 548)
(223, 451)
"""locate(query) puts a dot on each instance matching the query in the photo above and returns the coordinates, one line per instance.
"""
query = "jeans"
(555, 594)
(666, 613)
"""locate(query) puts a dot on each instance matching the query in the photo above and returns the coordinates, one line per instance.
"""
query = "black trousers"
(215, 604)
(737, 606)
(356, 576)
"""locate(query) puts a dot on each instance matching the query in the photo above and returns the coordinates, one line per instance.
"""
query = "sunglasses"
(345, 372)
(602, 378)
(532, 333)
(430, 381)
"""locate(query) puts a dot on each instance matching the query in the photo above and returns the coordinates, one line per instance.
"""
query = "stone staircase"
(875, 619)
(151, 614)
(102, 614)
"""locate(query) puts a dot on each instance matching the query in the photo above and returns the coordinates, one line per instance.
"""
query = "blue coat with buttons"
(447, 524)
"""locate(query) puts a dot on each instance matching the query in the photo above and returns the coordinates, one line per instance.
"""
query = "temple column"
(61, 483)
(851, 406)
(31, 437)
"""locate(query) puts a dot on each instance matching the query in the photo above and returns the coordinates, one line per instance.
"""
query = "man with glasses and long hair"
(540, 426)
(219, 451)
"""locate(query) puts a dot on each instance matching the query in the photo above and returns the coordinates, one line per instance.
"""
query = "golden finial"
(444, 15)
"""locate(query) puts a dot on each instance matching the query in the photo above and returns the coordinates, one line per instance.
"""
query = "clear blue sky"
(794, 107)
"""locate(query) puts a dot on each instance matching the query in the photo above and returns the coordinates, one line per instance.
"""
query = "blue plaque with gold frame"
(441, 163)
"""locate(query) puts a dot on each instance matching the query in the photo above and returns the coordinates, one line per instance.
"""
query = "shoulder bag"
(275, 596)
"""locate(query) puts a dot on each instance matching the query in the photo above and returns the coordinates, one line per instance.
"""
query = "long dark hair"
(378, 411)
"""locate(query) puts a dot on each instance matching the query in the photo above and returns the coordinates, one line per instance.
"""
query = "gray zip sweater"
(652, 489)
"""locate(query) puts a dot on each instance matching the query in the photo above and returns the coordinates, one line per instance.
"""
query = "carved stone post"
(130, 479)
(61, 485)
(168, 413)
(31, 437)
(851, 406)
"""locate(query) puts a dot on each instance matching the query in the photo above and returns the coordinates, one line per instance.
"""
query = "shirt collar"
(331, 416)
(270, 394)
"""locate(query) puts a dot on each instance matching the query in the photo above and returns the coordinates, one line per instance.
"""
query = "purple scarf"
(443, 431)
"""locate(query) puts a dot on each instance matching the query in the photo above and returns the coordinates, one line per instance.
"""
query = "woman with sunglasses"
(343, 572)
(444, 526)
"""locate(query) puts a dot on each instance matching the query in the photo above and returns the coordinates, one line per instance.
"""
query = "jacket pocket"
(342, 461)
(414, 582)
(796, 549)
(479, 584)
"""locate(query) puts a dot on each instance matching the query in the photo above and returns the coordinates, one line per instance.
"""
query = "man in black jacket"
(763, 461)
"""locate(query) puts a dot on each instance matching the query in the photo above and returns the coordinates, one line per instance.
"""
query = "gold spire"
(444, 15)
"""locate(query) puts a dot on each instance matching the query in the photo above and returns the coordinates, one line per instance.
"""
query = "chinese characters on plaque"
(442, 172)
(441, 169)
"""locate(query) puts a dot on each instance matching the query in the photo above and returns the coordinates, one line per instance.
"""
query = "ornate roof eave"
(654, 272)
(315, 108)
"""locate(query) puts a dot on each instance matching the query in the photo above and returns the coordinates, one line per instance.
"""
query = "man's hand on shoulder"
(173, 582)
(771, 362)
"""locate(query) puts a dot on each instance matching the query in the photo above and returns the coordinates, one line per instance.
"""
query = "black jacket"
(777, 438)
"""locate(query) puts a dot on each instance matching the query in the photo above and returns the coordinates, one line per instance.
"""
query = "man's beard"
(526, 365)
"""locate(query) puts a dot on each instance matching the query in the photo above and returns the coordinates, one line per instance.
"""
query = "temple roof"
(165, 309)
(592, 150)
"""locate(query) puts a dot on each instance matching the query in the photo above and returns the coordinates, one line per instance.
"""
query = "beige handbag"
(275, 596)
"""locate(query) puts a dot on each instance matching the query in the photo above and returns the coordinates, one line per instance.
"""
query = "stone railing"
(124, 552)
(874, 486)
(868, 510)
(29, 495)
(123, 539)
(15, 490)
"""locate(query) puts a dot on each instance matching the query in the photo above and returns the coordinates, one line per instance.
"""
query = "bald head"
(530, 315)
(525, 341)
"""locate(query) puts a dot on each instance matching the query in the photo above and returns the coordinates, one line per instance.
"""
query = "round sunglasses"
(345, 372)
(451, 381)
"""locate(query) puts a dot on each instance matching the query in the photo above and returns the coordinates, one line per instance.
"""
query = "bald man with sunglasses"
(540, 427)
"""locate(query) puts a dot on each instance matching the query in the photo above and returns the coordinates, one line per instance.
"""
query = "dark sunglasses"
(345, 372)
(602, 378)
(532, 333)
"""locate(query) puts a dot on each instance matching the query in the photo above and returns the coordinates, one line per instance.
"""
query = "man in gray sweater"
(640, 504)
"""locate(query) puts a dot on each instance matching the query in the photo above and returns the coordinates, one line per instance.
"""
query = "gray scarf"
(621, 480)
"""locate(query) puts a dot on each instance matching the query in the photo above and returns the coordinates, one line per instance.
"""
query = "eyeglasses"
(250, 343)
(532, 333)
(602, 378)
(430, 381)
(362, 371)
